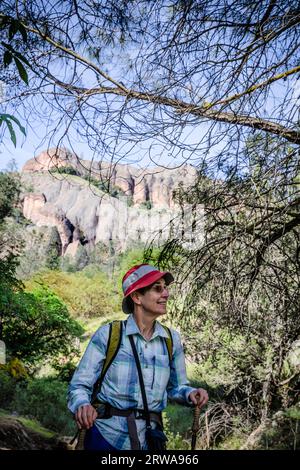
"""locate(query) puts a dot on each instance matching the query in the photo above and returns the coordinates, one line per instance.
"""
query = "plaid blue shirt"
(120, 387)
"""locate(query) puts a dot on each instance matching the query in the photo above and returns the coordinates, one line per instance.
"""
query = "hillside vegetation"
(48, 318)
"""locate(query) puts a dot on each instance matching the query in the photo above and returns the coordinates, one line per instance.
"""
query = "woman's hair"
(130, 304)
(129, 300)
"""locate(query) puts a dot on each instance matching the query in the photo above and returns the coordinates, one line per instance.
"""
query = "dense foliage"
(238, 300)
(35, 326)
(206, 81)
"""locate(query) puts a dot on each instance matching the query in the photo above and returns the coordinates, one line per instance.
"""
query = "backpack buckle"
(139, 414)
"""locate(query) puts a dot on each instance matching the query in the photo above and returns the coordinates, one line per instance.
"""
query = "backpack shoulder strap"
(112, 348)
(169, 342)
(113, 345)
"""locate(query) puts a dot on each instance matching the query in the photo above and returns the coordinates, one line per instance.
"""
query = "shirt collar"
(133, 329)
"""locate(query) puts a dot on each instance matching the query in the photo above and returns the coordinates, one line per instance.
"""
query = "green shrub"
(283, 431)
(176, 441)
(180, 418)
(84, 295)
(37, 326)
(7, 389)
(64, 370)
(65, 170)
(45, 400)
(105, 186)
(146, 205)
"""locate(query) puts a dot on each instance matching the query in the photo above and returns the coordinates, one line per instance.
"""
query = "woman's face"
(155, 298)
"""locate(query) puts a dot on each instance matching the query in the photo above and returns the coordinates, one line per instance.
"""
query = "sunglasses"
(159, 288)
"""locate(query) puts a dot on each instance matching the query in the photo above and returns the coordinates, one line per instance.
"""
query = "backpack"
(113, 346)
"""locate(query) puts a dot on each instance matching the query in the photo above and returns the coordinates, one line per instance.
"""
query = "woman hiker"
(118, 420)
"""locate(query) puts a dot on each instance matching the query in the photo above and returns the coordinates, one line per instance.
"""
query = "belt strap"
(132, 430)
(131, 416)
(138, 414)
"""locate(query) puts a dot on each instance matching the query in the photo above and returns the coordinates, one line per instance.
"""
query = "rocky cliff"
(152, 185)
(84, 214)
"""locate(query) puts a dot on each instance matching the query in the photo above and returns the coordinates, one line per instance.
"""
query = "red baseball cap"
(141, 275)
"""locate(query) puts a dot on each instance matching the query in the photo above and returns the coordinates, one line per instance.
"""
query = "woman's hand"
(85, 416)
(199, 397)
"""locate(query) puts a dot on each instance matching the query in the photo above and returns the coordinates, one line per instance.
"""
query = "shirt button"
(146, 346)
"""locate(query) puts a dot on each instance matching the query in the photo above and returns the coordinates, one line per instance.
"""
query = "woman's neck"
(145, 325)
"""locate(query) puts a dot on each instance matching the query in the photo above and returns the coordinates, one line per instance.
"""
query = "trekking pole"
(80, 440)
(196, 426)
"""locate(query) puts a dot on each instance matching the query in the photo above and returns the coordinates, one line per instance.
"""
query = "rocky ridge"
(153, 185)
(85, 215)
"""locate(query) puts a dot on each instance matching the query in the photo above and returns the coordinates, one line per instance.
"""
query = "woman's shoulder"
(102, 332)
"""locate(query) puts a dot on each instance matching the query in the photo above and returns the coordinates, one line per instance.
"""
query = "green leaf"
(7, 118)
(23, 32)
(15, 53)
(7, 58)
(14, 26)
(4, 21)
(12, 132)
(13, 118)
(21, 70)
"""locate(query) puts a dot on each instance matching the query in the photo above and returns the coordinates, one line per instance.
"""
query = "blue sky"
(29, 147)
(35, 142)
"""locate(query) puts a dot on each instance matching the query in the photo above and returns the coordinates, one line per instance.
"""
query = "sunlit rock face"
(41, 213)
(140, 211)
(154, 186)
(50, 159)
